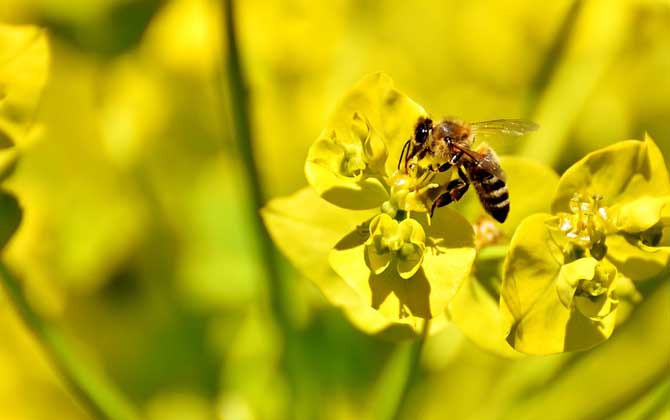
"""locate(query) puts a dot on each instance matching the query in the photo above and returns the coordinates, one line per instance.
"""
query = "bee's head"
(422, 130)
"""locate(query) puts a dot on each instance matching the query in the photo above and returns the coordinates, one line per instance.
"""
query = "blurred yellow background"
(138, 234)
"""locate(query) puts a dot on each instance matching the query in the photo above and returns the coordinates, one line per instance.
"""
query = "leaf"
(24, 60)
(621, 173)
(534, 290)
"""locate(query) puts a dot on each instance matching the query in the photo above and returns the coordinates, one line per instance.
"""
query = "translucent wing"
(505, 127)
(489, 161)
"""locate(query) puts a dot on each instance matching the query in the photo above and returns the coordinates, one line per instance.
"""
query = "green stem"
(400, 374)
(239, 117)
(88, 384)
(237, 100)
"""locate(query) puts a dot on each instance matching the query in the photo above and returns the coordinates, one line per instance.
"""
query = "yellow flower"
(566, 274)
(389, 266)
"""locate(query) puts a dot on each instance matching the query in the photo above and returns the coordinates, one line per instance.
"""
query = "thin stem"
(413, 369)
(91, 387)
(397, 379)
(237, 100)
(239, 116)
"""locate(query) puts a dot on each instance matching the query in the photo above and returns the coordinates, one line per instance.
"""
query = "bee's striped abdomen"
(492, 193)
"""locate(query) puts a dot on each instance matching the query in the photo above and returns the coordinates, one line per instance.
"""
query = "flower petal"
(389, 118)
(621, 173)
(569, 276)
(477, 314)
(375, 261)
(449, 255)
(339, 175)
(634, 260)
(305, 228)
(641, 214)
(540, 322)
(409, 264)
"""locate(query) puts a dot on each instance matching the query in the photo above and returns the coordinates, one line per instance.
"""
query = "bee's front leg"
(444, 167)
(455, 190)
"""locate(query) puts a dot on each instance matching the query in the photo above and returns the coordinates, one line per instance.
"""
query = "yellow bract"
(565, 275)
(361, 144)
(389, 270)
(475, 308)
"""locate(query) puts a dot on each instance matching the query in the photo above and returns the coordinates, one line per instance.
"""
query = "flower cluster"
(567, 273)
(552, 278)
(399, 267)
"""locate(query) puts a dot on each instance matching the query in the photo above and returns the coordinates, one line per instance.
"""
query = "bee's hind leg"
(455, 190)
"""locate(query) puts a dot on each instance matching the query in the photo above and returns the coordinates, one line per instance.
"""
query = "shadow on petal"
(412, 294)
(582, 333)
(355, 238)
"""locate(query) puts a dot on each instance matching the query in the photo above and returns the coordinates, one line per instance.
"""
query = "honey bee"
(449, 144)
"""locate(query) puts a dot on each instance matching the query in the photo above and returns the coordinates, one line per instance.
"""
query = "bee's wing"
(505, 127)
(489, 161)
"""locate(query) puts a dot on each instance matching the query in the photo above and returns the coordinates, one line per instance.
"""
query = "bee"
(449, 143)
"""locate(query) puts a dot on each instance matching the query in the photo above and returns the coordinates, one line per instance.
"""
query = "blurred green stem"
(99, 395)
(586, 46)
(236, 93)
(399, 375)
(239, 117)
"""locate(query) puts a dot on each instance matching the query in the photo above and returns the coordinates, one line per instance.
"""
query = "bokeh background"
(139, 235)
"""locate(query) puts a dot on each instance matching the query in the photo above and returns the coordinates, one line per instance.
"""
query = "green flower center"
(585, 228)
(390, 240)
(412, 191)
(353, 162)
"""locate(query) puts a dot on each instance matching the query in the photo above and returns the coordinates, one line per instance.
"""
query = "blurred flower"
(397, 262)
(24, 59)
(565, 274)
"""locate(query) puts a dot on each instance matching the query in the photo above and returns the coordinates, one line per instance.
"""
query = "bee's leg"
(456, 157)
(462, 175)
(444, 167)
(455, 190)
(404, 154)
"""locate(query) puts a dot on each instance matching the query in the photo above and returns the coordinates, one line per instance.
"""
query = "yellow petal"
(305, 228)
(641, 214)
(540, 322)
(569, 276)
(375, 118)
(621, 173)
(448, 257)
